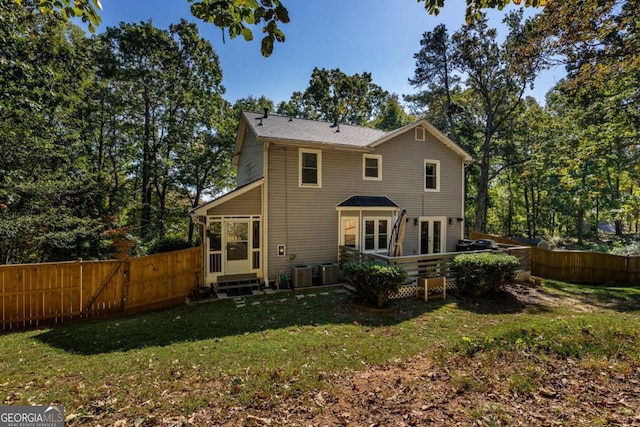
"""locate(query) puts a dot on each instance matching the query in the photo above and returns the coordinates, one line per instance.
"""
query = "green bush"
(374, 283)
(167, 244)
(481, 273)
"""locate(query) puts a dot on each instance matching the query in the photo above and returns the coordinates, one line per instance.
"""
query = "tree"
(392, 115)
(337, 97)
(436, 73)
(172, 80)
(481, 82)
(48, 195)
(237, 16)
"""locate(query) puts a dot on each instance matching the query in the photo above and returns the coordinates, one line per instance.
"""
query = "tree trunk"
(580, 225)
(483, 185)
(527, 207)
(145, 191)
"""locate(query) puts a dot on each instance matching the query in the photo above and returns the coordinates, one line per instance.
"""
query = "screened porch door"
(237, 260)
(432, 235)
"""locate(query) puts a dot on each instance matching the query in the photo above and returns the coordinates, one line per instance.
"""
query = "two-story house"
(306, 187)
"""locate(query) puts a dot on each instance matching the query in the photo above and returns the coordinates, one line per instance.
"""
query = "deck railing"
(432, 264)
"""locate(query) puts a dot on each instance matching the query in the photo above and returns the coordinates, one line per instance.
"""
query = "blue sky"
(377, 36)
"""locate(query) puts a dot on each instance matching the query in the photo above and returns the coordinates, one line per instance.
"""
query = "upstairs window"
(310, 168)
(431, 175)
(372, 167)
(420, 132)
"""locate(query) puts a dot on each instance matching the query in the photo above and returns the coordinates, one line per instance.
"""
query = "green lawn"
(178, 361)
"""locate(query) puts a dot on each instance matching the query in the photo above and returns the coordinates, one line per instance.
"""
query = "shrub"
(168, 244)
(481, 273)
(374, 283)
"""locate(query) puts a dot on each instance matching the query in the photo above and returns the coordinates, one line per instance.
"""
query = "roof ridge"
(314, 120)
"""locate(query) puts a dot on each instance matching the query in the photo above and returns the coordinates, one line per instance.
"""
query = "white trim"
(202, 209)
(342, 230)
(443, 233)
(212, 277)
(424, 176)
(265, 215)
(376, 220)
(378, 157)
(318, 153)
(420, 133)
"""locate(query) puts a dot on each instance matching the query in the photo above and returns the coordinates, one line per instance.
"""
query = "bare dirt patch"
(482, 390)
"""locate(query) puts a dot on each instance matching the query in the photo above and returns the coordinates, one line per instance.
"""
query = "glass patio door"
(432, 235)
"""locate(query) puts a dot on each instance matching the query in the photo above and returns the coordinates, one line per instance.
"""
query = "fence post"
(126, 266)
(81, 280)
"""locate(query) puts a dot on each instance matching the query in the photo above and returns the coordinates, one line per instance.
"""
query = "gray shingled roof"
(288, 129)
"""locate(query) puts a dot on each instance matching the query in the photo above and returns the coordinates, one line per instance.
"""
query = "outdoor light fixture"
(415, 221)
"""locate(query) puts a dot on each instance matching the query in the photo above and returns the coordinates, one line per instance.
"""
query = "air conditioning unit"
(328, 272)
(302, 275)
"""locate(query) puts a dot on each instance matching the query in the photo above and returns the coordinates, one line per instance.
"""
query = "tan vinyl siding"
(306, 220)
(403, 177)
(242, 205)
(250, 163)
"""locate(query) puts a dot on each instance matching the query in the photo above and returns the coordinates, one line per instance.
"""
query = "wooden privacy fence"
(578, 266)
(33, 294)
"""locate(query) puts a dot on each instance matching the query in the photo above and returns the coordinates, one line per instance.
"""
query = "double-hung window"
(372, 167)
(431, 175)
(310, 174)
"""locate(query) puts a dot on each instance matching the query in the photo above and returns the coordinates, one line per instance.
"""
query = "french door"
(432, 235)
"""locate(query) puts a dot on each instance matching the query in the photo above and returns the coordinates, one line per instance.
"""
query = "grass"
(181, 360)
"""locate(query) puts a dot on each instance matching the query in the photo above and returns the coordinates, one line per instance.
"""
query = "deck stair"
(237, 282)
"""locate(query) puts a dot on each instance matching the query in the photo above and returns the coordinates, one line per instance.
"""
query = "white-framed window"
(310, 172)
(431, 175)
(376, 234)
(420, 133)
(349, 235)
(372, 167)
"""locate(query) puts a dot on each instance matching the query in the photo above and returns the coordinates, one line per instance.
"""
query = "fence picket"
(32, 294)
(578, 266)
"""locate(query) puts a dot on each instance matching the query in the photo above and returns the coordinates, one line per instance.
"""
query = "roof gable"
(432, 130)
(203, 208)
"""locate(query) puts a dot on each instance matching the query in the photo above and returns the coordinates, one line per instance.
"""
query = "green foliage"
(335, 96)
(167, 244)
(128, 128)
(484, 272)
(374, 283)
(238, 16)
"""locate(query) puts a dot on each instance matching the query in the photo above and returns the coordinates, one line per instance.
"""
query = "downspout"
(464, 167)
(265, 213)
